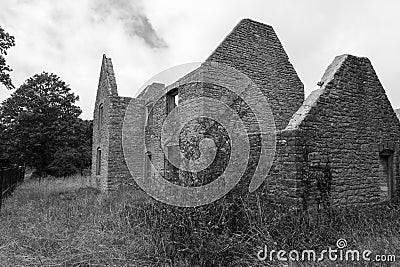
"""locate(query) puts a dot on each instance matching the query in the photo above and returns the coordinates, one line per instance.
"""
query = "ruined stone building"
(340, 146)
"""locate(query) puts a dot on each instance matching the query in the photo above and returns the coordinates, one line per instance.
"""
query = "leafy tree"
(76, 158)
(5, 146)
(6, 41)
(43, 126)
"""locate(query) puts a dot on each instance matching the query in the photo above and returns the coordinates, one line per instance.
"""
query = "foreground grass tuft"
(67, 222)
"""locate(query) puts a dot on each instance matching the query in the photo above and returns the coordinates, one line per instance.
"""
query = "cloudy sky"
(144, 37)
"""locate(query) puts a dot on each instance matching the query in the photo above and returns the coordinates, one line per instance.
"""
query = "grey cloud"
(133, 19)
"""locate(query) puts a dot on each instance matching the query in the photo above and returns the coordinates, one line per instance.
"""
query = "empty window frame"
(172, 99)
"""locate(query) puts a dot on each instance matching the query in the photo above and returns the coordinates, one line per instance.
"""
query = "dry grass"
(69, 223)
(51, 185)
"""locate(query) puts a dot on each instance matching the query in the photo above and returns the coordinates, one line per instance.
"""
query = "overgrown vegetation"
(69, 223)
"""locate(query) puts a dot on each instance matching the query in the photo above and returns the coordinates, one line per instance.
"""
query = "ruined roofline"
(261, 30)
(166, 88)
(182, 80)
(148, 92)
(108, 69)
(259, 27)
(312, 100)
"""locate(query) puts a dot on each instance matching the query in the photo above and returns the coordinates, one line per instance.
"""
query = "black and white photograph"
(199, 133)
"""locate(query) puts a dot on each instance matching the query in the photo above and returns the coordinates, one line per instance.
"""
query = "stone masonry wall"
(153, 134)
(343, 128)
(283, 183)
(198, 84)
(108, 135)
(118, 171)
(254, 49)
(330, 150)
(132, 137)
(101, 132)
(154, 96)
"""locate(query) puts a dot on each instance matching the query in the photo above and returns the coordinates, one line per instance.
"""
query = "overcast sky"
(68, 37)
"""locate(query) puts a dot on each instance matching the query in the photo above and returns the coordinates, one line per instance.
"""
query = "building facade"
(340, 146)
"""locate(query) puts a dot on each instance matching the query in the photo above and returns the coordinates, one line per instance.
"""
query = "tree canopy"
(6, 42)
(42, 128)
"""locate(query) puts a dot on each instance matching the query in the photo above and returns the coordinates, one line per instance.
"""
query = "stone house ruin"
(340, 146)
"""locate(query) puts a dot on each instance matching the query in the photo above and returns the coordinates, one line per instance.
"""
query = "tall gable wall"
(108, 136)
(343, 128)
(101, 134)
(254, 49)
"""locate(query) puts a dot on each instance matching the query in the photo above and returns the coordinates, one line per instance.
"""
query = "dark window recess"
(148, 164)
(98, 162)
(172, 99)
(100, 116)
(386, 157)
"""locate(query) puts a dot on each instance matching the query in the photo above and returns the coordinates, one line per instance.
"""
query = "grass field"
(68, 222)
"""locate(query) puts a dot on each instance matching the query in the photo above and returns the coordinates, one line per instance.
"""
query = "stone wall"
(284, 181)
(153, 131)
(106, 88)
(341, 130)
(107, 135)
(118, 171)
(333, 149)
(231, 90)
(254, 49)
(130, 160)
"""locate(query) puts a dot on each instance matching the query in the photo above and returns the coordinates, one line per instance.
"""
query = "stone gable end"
(349, 128)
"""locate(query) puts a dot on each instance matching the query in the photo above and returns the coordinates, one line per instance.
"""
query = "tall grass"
(67, 222)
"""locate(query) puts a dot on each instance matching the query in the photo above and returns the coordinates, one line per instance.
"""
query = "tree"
(43, 126)
(6, 41)
(70, 160)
